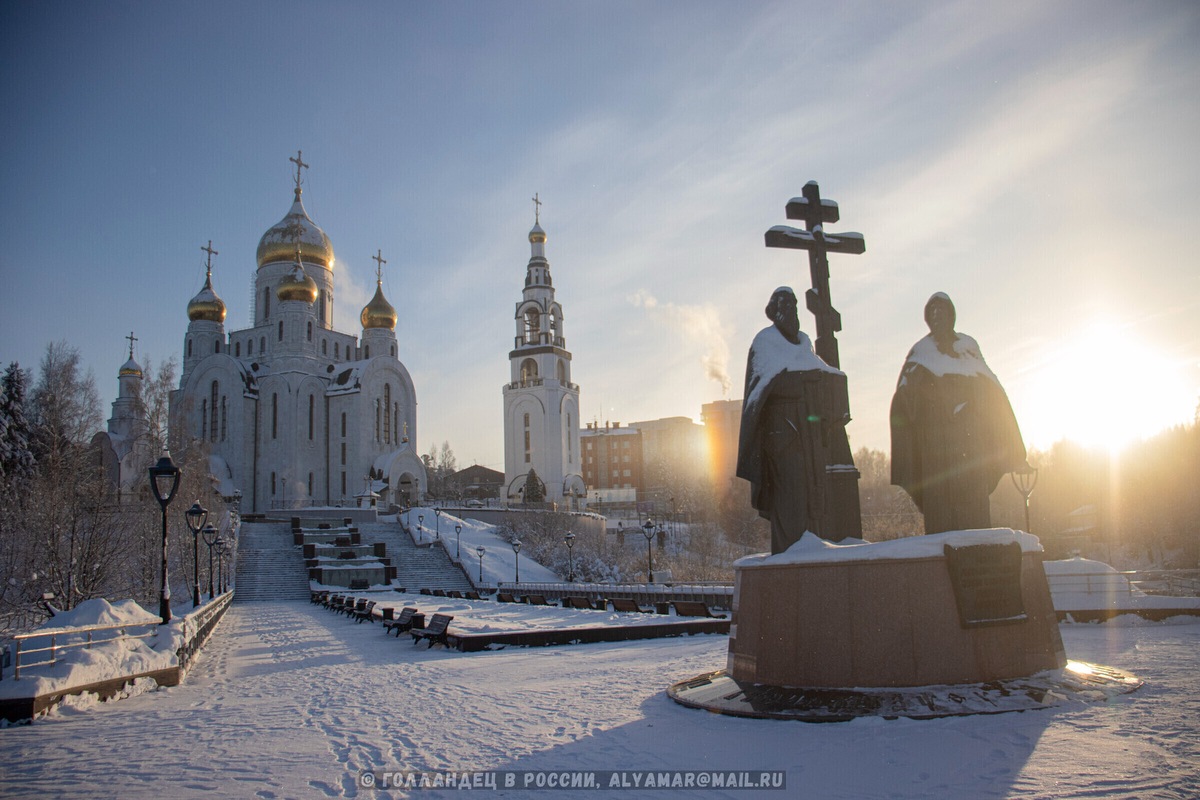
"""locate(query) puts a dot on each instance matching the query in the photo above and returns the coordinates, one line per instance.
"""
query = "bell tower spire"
(541, 404)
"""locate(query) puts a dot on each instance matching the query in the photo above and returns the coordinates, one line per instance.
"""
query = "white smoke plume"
(699, 324)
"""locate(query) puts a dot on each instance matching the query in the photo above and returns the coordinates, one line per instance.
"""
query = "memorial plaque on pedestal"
(987, 584)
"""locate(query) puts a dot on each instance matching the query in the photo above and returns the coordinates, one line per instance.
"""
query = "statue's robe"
(793, 401)
(953, 434)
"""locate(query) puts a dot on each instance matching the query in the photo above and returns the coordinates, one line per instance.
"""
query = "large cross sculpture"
(816, 213)
(842, 500)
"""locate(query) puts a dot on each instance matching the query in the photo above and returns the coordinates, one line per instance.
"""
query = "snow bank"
(811, 549)
(499, 560)
(100, 612)
(1080, 584)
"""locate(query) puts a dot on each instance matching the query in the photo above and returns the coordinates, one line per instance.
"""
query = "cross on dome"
(299, 165)
(537, 209)
(133, 338)
(380, 261)
(211, 253)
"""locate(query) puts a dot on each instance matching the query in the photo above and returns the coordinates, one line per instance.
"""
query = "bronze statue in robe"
(953, 430)
(792, 403)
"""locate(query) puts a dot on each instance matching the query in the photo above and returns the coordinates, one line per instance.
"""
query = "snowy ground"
(290, 700)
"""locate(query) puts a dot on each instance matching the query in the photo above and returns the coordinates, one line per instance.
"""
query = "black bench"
(455, 593)
(505, 597)
(628, 606)
(473, 596)
(426, 591)
(359, 583)
(581, 602)
(692, 608)
(406, 621)
(435, 631)
(334, 603)
(536, 600)
(367, 612)
(318, 598)
(439, 592)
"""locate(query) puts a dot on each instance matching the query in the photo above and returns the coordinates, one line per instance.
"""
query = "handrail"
(54, 647)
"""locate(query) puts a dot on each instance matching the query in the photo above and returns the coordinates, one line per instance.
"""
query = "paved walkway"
(290, 700)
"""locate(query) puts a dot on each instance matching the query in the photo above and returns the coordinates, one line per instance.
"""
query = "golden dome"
(130, 367)
(537, 235)
(206, 305)
(379, 312)
(297, 286)
(279, 243)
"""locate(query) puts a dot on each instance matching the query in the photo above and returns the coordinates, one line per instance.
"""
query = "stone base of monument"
(955, 623)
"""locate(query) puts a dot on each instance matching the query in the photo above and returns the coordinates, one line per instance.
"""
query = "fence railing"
(60, 639)
(1184, 583)
(713, 594)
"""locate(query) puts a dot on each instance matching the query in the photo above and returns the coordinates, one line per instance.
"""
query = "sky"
(1035, 161)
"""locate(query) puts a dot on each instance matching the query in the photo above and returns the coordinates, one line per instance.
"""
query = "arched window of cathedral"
(527, 420)
(366, 351)
(311, 400)
(324, 350)
(528, 370)
(189, 348)
(532, 323)
(562, 370)
(343, 424)
(217, 347)
(553, 322)
(393, 350)
(203, 419)
(213, 425)
(323, 295)
(387, 418)
(237, 349)
(335, 351)
(310, 484)
(262, 344)
(343, 484)
(281, 330)
(396, 420)
(310, 331)
(274, 418)
(267, 307)
(222, 418)
(377, 419)
(569, 460)
(272, 483)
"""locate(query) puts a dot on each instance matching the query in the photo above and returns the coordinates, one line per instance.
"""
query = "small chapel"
(541, 404)
(296, 414)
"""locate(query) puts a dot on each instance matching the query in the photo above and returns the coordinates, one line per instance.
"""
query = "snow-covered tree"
(16, 458)
(535, 492)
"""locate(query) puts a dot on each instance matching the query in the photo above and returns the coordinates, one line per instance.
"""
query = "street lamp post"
(211, 537)
(1024, 479)
(571, 556)
(437, 517)
(221, 547)
(648, 531)
(195, 518)
(164, 477)
(458, 545)
(480, 550)
(516, 546)
(421, 527)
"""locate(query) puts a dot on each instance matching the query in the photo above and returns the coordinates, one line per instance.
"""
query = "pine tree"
(534, 491)
(16, 459)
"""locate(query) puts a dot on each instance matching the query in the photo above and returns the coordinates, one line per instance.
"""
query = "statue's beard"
(788, 325)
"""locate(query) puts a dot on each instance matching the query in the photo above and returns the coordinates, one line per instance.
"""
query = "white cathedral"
(541, 405)
(296, 414)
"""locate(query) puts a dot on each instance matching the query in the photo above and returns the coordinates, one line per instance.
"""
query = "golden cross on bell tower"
(380, 261)
(537, 209)
(132, 339)
(299, 165)
(211, 253)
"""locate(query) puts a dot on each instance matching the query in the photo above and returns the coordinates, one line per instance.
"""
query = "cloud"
(701, 325)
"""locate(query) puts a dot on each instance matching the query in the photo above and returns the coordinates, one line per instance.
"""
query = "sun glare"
(1103, 388)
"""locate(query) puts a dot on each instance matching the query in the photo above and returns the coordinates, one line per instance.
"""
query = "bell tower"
(541, 404)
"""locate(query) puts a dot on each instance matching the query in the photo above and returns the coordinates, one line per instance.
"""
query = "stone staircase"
(416, 567)
(269, 566)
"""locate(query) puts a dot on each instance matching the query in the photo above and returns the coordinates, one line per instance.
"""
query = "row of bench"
(409, 621)
(683, 608)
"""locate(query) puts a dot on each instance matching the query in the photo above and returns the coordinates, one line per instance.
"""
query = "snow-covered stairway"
(416, 567)
(269, 566)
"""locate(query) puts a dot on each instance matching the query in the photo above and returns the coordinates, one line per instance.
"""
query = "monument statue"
(795, 406)
(953, 431)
